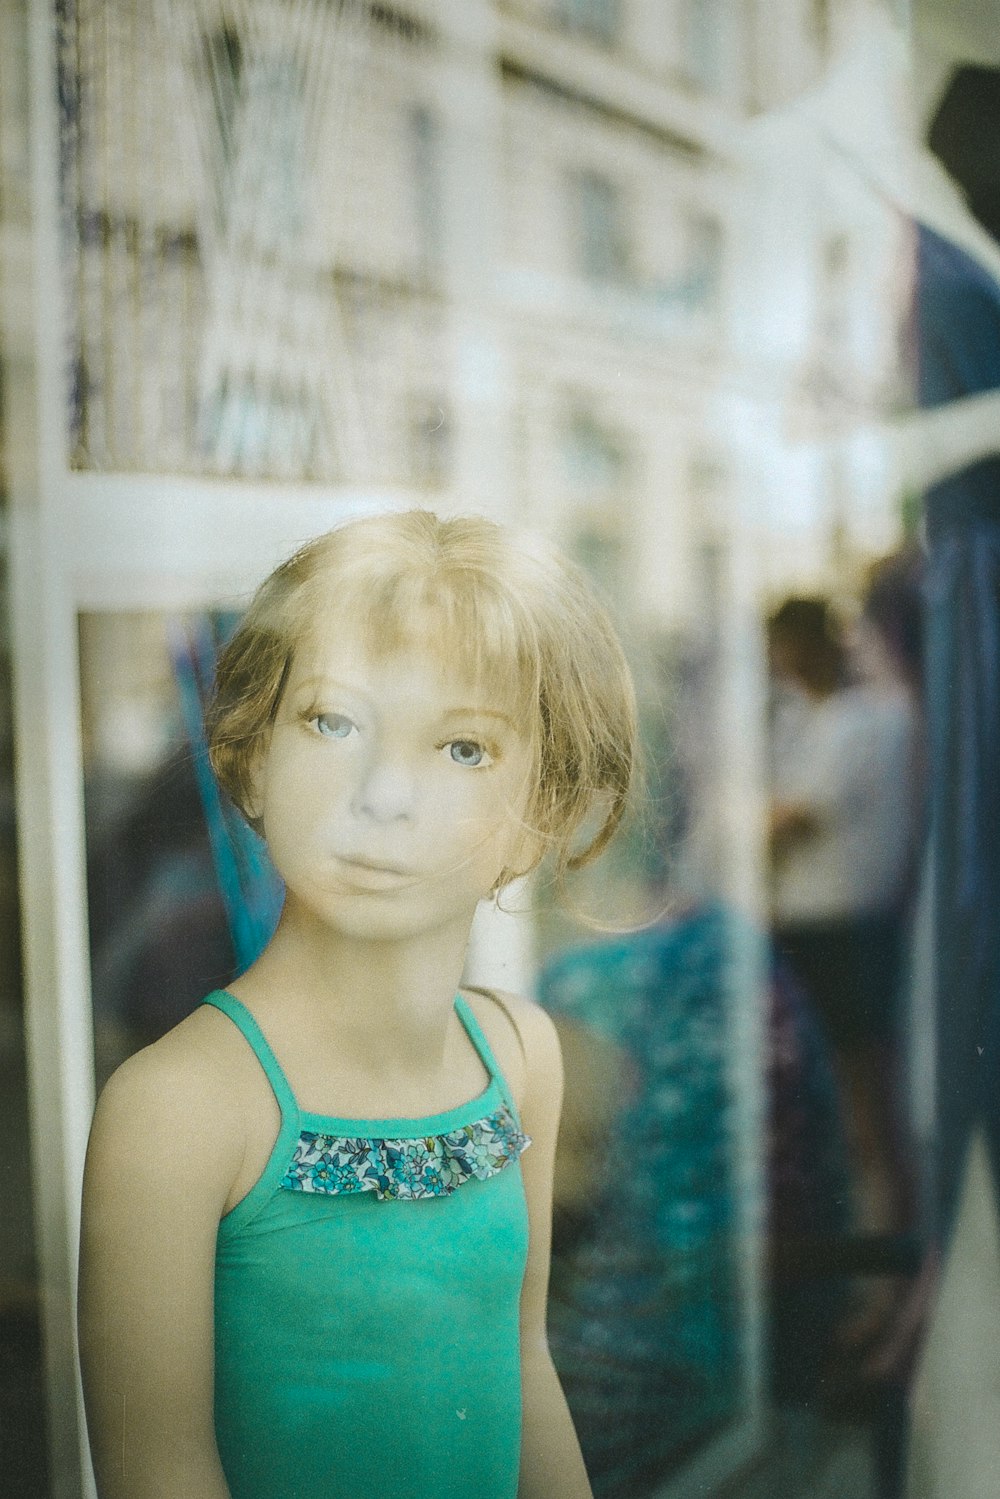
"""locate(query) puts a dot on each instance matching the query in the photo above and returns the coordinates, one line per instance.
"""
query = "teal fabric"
(365, 1347)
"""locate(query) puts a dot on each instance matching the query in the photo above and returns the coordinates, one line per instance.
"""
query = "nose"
(385, 793)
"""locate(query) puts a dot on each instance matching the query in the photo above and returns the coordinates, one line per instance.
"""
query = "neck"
(380, 998)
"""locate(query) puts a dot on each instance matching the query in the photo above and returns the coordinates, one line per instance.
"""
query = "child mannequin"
(313, 1265)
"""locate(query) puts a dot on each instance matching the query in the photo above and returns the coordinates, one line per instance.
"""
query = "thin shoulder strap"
(479, 1041)
(244, 1021)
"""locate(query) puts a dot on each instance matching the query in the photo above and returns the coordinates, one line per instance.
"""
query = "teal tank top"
(367, 1295)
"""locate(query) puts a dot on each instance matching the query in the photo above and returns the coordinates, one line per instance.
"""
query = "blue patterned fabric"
(646, 1310)
(645, 1316)
(400, 1169)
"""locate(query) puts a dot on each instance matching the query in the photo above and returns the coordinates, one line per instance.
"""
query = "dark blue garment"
(957, 334)
(957, 328)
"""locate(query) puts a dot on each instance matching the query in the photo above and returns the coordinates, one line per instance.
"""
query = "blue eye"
(467, 752)
(333, 725)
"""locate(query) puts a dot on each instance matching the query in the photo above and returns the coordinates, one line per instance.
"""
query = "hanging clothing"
(645, 1318)
(957, 343)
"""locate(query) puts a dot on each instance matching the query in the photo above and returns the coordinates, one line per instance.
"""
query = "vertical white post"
(49, 794)
(502, 951)
(741, 781)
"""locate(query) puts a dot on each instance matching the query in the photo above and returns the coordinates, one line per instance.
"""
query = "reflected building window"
(704, 24)
(258, 103)
(597, 461)
(602, 252)
(425, 158)
(705, 257)
(694, 282)
(223, 57)
(223, 181)
(598, 19)
(829, 375)
(834, 294)
(818, 24)
(429, 434)
(598, 464)
(598, 546)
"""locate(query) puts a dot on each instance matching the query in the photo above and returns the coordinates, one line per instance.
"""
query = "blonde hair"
(507, 611)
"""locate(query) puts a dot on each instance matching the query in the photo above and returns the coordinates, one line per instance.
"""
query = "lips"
(373, 866)
(371, 874)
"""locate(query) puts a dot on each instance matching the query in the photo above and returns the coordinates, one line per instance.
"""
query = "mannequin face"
(392, 791)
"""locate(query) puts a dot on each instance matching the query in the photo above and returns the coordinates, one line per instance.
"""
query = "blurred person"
(890, 651)
(874, 116)
(841, 840)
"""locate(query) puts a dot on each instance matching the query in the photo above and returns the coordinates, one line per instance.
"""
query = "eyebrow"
(319, 681)
(478, 713)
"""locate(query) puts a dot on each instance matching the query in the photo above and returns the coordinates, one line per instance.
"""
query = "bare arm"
(928, 446)
(920, 448)
(163, 1150)
(598, 1081)
(551, 1463)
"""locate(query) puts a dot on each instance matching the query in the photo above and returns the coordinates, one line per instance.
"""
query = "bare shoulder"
(523, 1039)
(182, 1096)
(193, 1064)
(166, 1146)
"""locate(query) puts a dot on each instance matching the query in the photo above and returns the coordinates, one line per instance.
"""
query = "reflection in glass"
(181, 894)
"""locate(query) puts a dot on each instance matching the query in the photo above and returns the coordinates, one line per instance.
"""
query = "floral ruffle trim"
(409, 1168)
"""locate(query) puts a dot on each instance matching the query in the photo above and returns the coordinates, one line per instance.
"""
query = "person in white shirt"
(841, 833)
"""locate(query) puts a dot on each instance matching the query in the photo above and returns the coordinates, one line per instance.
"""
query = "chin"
(382, 919)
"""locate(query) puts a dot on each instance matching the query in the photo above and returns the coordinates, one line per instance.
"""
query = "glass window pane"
(181, 893)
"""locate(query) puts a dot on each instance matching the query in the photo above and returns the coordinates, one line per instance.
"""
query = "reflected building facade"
(551, 260)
